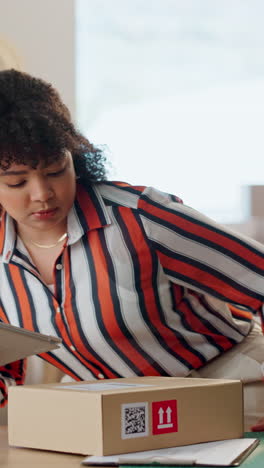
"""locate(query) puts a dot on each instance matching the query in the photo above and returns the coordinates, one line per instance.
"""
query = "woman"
(133, 281)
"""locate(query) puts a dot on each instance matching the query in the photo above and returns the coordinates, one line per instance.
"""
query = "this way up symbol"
(164, 424)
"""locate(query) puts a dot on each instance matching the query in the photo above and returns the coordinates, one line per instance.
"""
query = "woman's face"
(40, 198)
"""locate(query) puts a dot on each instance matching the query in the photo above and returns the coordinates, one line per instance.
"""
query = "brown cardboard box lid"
(18, 343)
(130, 384)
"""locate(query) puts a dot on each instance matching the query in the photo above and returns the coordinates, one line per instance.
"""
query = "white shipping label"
(134, 420)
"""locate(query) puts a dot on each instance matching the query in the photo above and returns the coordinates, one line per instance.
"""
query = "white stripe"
(119, 195)
(9, 382)
(196, 341)
(74, 228)
(168, 203)
(7, 298)
(219, 324)
(87, 314)
(207, 256)
(130, 309)
(45, 325)
(241, 326)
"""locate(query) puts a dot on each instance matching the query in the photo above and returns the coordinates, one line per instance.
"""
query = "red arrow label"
(164, 417)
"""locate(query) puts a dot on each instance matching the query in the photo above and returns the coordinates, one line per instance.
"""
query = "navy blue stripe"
(4, 311)
(174, 292)
(239, 317)
(129, 188)
(97, 205)
(30, 300)
(81, 218)
(200, 239)
(175, 199)
(117, 309)
(155, 287)
(141, 299)
(181, 314)
(190, 261)
(23, 257)
(211, 328)
(53, 319)
(58, 280)
(196, 284)
(9, 375)
(218, 315)
(62, 363)
(82, 335)
(98, 312)
(66, 327)
(109, 202)
(14, 294)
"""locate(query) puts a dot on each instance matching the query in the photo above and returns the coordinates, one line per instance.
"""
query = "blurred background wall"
(174, 88)
(39, 38)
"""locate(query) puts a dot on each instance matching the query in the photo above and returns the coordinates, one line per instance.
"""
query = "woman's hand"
(259, 426)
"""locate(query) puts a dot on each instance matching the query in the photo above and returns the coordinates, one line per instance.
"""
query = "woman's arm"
(202, 255)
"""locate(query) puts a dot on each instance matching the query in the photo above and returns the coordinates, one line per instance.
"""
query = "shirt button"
(100, 376)
(72, 348)
(59, 266)
(58, 310)
(8, 255)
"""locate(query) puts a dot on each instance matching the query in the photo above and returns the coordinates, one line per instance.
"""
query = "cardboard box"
(124, 415)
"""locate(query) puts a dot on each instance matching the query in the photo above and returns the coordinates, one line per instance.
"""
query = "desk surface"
(12, 457)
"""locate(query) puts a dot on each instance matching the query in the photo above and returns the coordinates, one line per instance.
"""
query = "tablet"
(18, 343)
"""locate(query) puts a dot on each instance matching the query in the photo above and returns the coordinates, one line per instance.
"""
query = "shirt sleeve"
(11, 374)
(198, 253)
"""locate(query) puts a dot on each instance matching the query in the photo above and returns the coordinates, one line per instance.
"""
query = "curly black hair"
(36, 127)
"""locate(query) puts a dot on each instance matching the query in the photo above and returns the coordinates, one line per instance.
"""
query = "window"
(175, 89)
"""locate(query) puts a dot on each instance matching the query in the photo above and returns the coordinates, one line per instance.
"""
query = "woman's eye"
(57, 173)
(19, 184)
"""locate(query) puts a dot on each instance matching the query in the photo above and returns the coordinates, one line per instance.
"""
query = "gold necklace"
(49, 246)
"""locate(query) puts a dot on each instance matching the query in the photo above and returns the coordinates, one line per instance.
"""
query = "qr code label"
(134, 420)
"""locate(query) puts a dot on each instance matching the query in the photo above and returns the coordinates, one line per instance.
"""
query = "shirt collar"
(88, 212)
(7, 237)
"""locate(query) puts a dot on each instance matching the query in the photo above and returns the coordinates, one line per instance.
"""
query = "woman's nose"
(41, 190)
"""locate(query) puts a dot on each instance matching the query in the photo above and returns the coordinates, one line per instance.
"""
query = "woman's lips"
(45, 214)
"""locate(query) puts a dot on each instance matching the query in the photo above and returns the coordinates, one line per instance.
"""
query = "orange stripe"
(3, 389)
(139, 188)
(65, 336)
(22, 297)
(74, 328)
(208, 280)
(3, 316)
(240, 313)
(178, 293)
(208, 234)
(88, 208)
(55, 363)
(146, 268)
(16, 370)
(199, 327)
(107, 309)
(120, 183)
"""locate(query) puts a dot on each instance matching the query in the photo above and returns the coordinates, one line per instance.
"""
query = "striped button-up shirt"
(143, 286)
